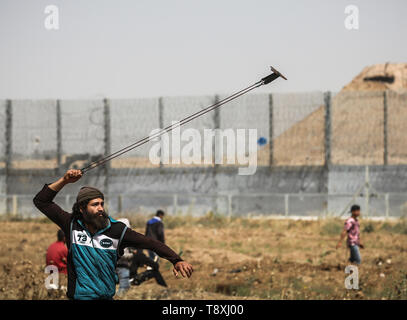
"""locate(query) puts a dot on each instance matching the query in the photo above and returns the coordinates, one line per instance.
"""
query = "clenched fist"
(72, 176)
(184, 268)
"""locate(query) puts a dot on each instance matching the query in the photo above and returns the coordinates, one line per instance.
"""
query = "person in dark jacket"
(155, 230)
(57, 253)
(140, 260)
(95, 241)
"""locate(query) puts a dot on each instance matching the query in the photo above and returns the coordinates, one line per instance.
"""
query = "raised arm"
(70, 176)
(137, 240)
(44, 199)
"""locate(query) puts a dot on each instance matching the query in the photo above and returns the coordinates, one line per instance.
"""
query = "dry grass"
(255, 258)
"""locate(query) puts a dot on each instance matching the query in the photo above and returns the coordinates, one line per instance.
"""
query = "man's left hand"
(184, 268)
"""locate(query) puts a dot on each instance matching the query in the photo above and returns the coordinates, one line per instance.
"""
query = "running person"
(95, 241)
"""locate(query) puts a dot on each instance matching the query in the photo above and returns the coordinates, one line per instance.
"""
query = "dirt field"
(236, 259)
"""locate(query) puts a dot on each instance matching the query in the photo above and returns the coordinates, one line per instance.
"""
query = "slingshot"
(266, 80)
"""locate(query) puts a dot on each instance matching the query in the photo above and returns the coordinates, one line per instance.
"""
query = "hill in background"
(357, 123)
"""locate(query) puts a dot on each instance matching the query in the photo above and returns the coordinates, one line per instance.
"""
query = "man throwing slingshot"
(95, 241)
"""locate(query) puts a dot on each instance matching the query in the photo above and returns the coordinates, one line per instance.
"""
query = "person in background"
(352, 228)
(123, 266)
(140, 260)
(57, 253)
(155, 230)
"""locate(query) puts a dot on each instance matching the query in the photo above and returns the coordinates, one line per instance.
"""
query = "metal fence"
(330, 137)
(389, 205)
(316, 128)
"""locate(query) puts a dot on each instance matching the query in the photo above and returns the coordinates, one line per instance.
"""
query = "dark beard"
(94, 220)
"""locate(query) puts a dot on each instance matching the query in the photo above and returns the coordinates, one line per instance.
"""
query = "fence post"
(385, 114)
(59, 137)
(367, 191)
(216, 123)
(328, 128)
(161, 125)
(230, 205)
(386, 198)
(286, 204)
(8, 151)
(15, 204)
(107, 142)
(271, 130)
(175, 204)
(119, 203)
(191, 207)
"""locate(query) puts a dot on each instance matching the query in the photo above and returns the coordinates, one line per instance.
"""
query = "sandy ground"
(233, 259)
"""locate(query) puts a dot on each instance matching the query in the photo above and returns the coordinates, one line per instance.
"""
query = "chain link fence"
(395, 105)
(33, 135)
(131, 120)
(309, 145)
(298, 129)
(358, 128)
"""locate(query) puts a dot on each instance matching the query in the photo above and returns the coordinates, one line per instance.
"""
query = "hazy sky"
(144, 48)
